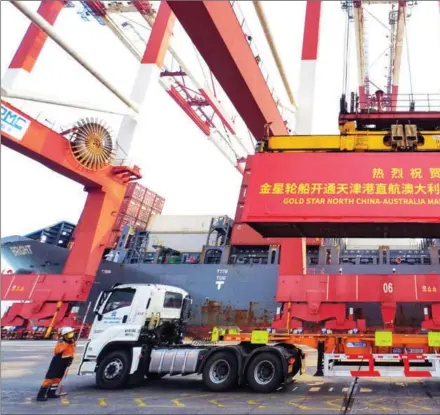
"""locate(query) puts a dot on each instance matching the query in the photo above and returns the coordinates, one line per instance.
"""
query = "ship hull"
(242, 295)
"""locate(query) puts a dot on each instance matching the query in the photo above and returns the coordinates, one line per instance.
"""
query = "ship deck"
(24, 364)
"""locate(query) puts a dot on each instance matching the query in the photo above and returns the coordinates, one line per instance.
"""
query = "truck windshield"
(172, 300)
(119, 299)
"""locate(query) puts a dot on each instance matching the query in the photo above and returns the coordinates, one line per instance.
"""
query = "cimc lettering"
(13, 124)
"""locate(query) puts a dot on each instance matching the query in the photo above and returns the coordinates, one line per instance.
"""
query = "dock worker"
(63, 357)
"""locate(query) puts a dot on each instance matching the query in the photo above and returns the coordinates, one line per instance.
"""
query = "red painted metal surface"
(359, 288)
(318, 300)
(218, 109)
(288, 194)
(51, 149)
(189, 110)
(158, 42)
(45, 287)
(35, 39)
(311, 30)
(217, 34)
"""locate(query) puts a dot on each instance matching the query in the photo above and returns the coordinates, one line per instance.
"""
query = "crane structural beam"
(54, 35)
(358, 15)
(217, 34)
(33, 139)
(307, 194)
(309, 58)
(31, 46)
(149, 72)
(397, 58)
(352, 141)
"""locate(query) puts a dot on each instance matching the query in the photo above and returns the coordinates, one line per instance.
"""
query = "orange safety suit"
(64, 352)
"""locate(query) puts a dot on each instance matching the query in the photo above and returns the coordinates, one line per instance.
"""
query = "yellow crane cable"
(264, 24)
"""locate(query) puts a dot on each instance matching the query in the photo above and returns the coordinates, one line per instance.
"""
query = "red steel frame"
(106, 189)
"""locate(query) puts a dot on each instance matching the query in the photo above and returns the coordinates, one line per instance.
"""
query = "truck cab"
(130, 315)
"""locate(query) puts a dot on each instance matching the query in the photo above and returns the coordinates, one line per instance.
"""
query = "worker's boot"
(42, 394)
(53, 392)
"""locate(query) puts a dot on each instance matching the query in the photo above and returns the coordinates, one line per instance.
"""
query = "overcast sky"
(176, 159)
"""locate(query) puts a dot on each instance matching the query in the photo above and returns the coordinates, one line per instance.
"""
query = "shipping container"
(159, 203)
(182, 242)
(144, 213)
(140, 225)
(149, 198)
(130, 207)
(122, 220)
(135, 191)
(309, 194)
(180, 223)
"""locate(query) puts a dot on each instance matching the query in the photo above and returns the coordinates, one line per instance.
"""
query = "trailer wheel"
(264, 373)
(220, 372)
(113, 371)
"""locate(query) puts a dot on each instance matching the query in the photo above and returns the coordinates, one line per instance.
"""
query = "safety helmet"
(67, 332)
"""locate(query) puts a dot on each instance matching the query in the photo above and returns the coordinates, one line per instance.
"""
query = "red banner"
(344, 187)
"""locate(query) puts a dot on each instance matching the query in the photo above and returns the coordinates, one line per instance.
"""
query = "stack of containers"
(184, 233)
(139, 204)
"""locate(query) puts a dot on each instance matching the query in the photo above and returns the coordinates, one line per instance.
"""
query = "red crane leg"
(148, 74)
(32, 44)
(93, 231)
(217, 34)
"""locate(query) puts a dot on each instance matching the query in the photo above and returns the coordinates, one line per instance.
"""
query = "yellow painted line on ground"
(218, 405)
(178, 403)
(314, 389)
(308, 408)
(140, 403)
(376, 403)
(257, 404)
(365, 390)
(65, 401)
(344, 389)
(334, 403)
(102, 402)
(195, 396)
(413, 405)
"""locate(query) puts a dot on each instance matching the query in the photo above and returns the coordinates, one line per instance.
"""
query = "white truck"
(138, 333)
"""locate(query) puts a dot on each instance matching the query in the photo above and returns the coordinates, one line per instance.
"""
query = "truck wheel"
(113, 371)
(220, 372)
(264, 373)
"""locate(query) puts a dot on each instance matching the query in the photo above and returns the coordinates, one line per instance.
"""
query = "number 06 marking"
(387, 287)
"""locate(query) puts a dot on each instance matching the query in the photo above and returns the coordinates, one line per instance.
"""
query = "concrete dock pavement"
(24, 364)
